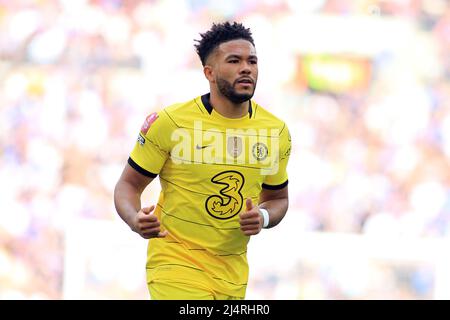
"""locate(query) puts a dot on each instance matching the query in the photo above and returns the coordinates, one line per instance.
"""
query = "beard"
(227, 90)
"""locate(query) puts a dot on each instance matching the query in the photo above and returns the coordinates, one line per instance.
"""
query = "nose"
(245, 68)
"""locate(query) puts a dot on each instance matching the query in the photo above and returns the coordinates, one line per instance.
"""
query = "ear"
(209, 73)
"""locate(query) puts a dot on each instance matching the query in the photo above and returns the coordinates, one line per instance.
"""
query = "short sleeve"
(152, 146)
(279, 178)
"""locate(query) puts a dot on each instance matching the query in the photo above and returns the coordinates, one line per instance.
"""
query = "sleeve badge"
(148, 122)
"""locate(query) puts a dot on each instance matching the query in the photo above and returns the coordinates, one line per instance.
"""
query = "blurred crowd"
(79, 77)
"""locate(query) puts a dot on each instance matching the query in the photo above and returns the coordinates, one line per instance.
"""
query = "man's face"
(235, 70)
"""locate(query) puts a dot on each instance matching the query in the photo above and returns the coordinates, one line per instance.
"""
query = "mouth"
(245, 81)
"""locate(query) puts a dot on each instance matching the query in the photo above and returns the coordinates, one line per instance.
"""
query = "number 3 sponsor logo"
(229, 202)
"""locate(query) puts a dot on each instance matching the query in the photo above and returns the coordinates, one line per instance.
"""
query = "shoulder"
(183, 113)
(162, 120)
(267, 119)
(171, 117)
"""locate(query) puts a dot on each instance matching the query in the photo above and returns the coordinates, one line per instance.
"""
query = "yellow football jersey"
(208, 165)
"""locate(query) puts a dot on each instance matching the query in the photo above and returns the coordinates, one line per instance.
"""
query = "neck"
(227, 108)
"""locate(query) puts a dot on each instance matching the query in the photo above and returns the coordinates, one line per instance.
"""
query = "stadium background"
(363, 85)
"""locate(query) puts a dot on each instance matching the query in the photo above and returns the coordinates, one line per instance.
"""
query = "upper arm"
(148, 156)
(133, 178)
(269, 194)
(278, 177)
(153, 145)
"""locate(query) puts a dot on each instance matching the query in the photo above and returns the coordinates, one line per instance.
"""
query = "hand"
(251, 220)
(147, 225)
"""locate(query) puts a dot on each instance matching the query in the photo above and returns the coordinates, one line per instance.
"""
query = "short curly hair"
(218, 34)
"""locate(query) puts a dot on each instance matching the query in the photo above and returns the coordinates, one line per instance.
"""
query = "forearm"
(127, 201)
(277, 209)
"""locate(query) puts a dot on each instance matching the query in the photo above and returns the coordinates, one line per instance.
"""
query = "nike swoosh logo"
(202, 147)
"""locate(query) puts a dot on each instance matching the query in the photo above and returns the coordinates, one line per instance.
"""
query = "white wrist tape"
(265, 215)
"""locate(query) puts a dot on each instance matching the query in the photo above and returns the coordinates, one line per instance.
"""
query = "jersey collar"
(205, 100)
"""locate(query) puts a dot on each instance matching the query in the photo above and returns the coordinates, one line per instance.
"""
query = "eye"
(253, 62)
(233, 61)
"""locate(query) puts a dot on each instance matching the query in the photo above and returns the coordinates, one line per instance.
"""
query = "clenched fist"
(147, 225)
(251, 220)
